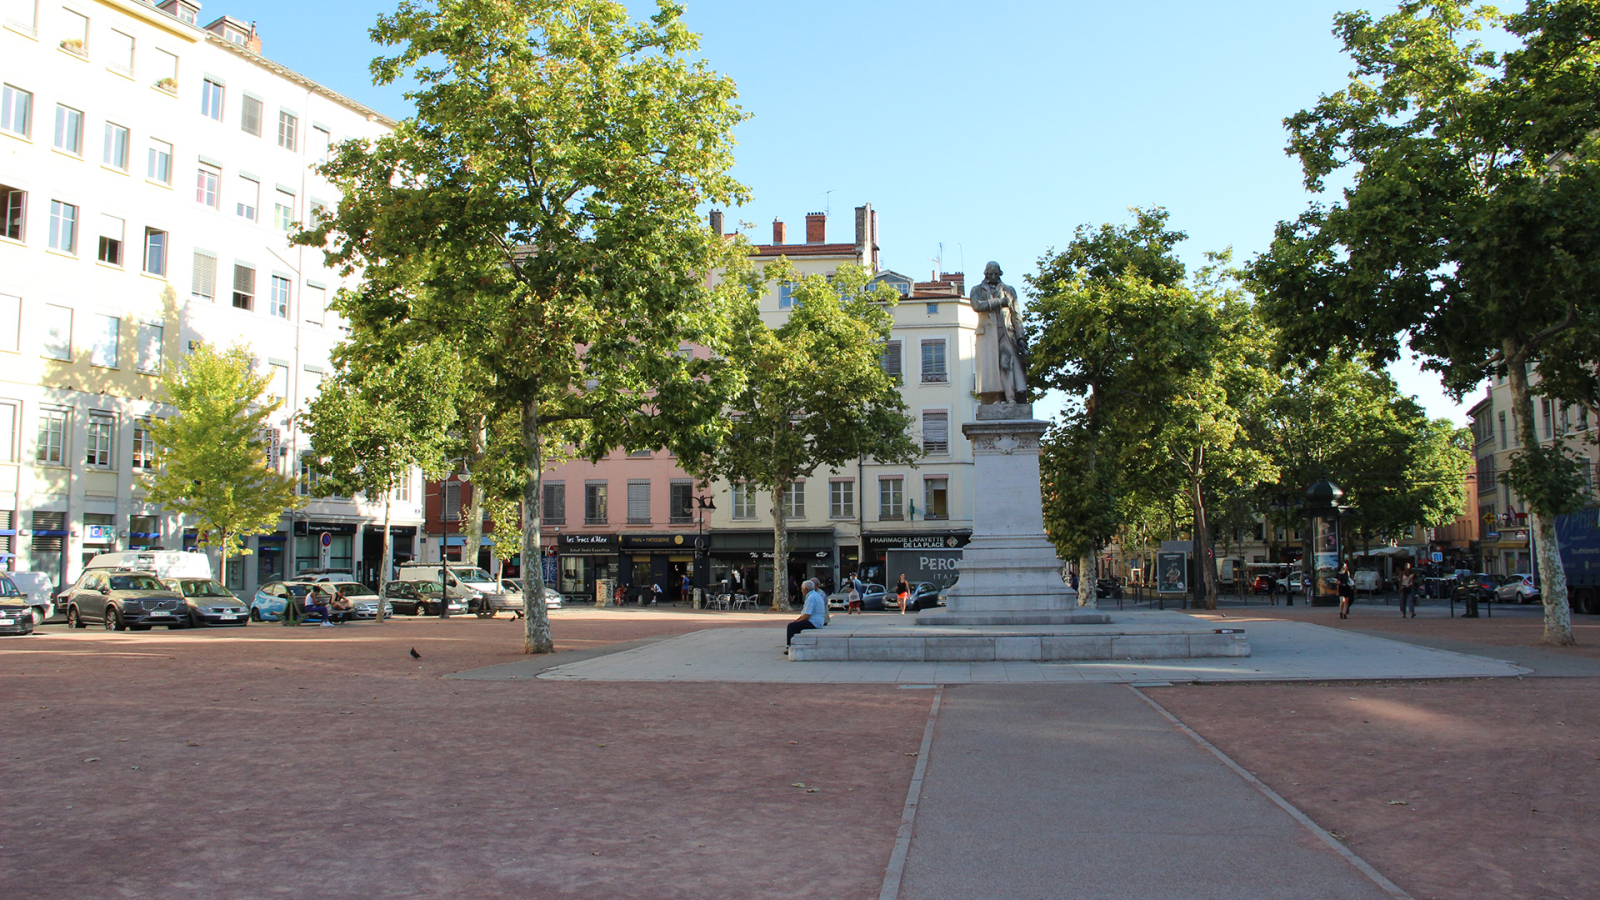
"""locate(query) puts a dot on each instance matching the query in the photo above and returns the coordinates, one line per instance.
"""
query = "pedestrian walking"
(853, 599)
(1347, 590)
(655, 592)
(902, 593)
(1408, 595)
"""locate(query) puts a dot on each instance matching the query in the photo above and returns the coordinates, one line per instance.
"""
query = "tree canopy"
(539, 214)
(214, 462)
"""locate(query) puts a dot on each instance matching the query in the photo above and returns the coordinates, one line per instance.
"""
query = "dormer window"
(235, 35)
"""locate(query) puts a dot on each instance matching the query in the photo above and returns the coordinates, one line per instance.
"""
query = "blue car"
(272, 597)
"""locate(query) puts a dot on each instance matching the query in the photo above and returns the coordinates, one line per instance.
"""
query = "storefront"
(933, 556)
(583, 559)
(402, 549)
(656, 558)
(743, 559)
(313, 550)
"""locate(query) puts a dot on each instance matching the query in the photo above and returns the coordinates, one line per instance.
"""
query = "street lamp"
(465, 477)
(703, 502)
(1323, 511)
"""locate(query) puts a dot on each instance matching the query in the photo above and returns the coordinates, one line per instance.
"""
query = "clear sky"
(977, 131)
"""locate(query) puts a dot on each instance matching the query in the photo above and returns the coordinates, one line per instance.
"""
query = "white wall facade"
(84, 329)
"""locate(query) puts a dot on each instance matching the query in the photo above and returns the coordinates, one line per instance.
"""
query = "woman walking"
(902, 593)
(1408, 597)
(1347, 591)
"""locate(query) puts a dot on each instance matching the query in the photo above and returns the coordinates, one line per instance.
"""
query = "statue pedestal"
(1010, 574)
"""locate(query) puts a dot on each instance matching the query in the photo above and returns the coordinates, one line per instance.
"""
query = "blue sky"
(991, 130)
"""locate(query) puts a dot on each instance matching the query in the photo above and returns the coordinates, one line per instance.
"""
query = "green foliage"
(1550, 478)
(211, 453)
(815, 392)
(539, 215)
(372, 423)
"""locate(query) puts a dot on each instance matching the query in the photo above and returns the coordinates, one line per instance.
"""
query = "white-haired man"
(813, 615)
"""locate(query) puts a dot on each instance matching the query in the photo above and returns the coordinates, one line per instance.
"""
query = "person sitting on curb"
(317, 605)
(813, 615)
(340, 608)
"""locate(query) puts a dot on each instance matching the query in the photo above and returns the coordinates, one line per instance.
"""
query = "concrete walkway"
(1280, 651)
(1088, 791)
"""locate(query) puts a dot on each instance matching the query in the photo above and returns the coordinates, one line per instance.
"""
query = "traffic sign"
(327, 539)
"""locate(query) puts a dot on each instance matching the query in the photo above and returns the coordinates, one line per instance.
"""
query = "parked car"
(874, 597)
(364, 601)
(841, 599)
(16, 613)
(324, 574)
(1518, 588)
(1108, 589)
(210, 603)
(40, 591)
(419, 598)
(121, 600)
(552, 597)
(271, 599)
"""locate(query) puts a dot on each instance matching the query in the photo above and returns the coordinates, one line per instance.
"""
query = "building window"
(638, 502)
(116, 149)
(1548, 417)
(111, 229)
(452, 501)
(63, 227)
(57, 333)
(208, 180)
(680, 506)
(321, 142)
(143, 445)
(639, 454)
(149, 337)
(936, 432)
(155, 251)
(313, 302)
(933, 370)
(554, 508)
(891, 500)
(288, 126)
(250, 115)
(794, 500)
(52, 437)
(204, 285)
(249, 196)
(744, 501)
(75, 26)
(594, 503)
(935, 498)
(891, 360)
(786, 295)
(841, 499)
(211, 99)
(10, 322)
(14, 209)
(160, 167)
(283, 211)
(1583, 418)
(1502, 431)
(107, 336)
(278, 297)
(166, 71)
(101, 438)
(16, 110)
(8, 431)
(244, 287)
(402, 489)
(69, 130)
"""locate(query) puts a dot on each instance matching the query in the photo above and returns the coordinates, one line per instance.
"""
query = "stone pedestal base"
(1152, 635)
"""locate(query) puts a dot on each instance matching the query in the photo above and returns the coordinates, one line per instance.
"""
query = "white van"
(163, 564)
(40, 589)
(481, 591)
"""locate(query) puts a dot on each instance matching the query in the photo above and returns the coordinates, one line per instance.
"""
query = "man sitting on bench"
(813, 615)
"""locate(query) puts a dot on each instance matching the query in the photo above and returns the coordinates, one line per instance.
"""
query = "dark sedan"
(419, 598)
(16, 616)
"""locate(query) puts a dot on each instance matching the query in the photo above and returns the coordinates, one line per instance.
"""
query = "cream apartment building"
(152, 162)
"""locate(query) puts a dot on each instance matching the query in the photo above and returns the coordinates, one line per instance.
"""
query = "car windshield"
(135, 583)
(511, 584)
(298, 589)
(352, 589)
(202, 587)
(470, 574)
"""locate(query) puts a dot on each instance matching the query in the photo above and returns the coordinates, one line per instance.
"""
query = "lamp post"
(1323, 511)
(703, 503)
(465, 477)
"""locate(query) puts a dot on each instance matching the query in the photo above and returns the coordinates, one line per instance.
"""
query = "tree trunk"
(780, 552)
(472, 541)
(387, 560)
(536, 621)
(1202, 540)
(222, 561)
(1541, 524)
(1086, 580)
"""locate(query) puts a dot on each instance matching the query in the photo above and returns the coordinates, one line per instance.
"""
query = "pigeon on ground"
(415, 654)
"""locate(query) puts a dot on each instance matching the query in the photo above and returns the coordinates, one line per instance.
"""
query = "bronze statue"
(1000, 354)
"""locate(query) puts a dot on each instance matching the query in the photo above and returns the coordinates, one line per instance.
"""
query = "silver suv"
(119, 600)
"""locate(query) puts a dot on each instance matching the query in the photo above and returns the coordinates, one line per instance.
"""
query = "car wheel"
(255, 614)
(38, 616)
(416, 609)
(113, 620)
(73, 619)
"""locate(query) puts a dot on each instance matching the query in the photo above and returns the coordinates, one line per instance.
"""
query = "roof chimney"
(863, 218)
(253, 42)
(777, 231)
(816, 228)
(716, 222)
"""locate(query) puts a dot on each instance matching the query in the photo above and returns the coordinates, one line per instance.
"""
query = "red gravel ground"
(1457, 789)
(322, 762)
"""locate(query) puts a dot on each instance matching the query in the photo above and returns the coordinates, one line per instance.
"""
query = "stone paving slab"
(1085, 792)
(1282, 651)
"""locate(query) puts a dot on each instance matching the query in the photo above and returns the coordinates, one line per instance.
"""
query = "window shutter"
(933, 361)
(452, 501)
(936, 432)
(251, 117)
(205, 276)
(891, 358)
(639, 502)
